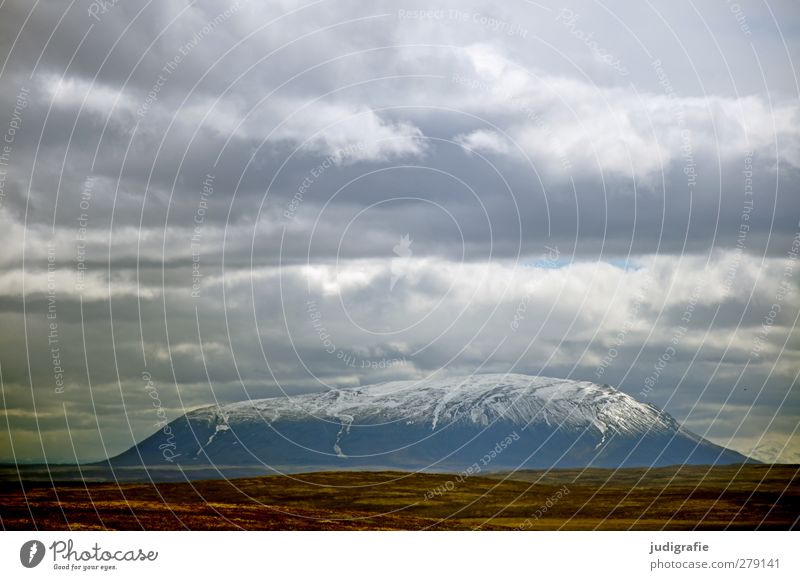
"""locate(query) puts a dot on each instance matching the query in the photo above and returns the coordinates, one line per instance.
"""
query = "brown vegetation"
(734, 497)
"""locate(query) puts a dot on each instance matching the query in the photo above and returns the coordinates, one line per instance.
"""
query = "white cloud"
(353, 134)
(484, 141)
(94, 97)
(616, 130)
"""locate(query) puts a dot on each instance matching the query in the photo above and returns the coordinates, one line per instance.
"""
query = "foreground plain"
(675, 498)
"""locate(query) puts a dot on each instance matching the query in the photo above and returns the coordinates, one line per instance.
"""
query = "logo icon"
(31, 553)
(400, 264)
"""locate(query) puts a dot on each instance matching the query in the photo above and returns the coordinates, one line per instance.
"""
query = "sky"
(205, 202)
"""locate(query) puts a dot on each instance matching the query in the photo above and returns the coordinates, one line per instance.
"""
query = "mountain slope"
(480, 422)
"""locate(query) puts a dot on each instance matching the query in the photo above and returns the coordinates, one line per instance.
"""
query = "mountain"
(485, 422)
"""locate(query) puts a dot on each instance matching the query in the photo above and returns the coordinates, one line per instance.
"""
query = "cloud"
(482, 140)
(329, 132)
(569, 124)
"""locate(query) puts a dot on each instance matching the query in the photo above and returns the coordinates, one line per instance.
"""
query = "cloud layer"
(246, 199)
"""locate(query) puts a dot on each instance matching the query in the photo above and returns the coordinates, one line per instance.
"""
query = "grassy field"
(736, 497)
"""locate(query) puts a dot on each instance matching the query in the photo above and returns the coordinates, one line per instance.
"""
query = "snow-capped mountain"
(494, 422)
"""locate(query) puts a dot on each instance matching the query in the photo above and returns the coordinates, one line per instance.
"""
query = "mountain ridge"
(430, 424)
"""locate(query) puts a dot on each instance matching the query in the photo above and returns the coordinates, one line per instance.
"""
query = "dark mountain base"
(676, 498)
(304, 446)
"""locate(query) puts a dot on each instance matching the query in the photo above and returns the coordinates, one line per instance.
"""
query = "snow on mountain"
(477, 399)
